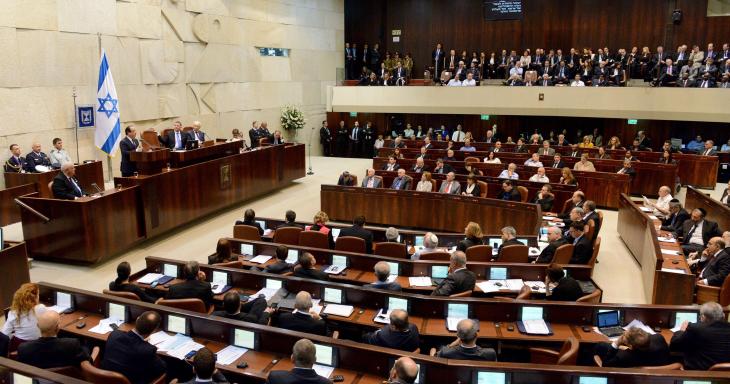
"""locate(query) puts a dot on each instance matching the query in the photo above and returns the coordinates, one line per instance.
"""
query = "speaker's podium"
(151, 161)
(87, 173)
(83, 231)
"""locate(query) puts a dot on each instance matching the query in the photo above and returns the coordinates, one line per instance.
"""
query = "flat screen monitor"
(326, 355)
(418, 241)
(490, 377)
(64, 300)
(339, 261)
(439, 271)
(220, 278)
(394, 268)
(333, 295)
(247, 249)
(531, 313)
(117, 311)
(680, 317)
(292, 256)
(170, 270)
(497, 273)
(178, 324)
(245, 339)
(273, 284)
(398, 303)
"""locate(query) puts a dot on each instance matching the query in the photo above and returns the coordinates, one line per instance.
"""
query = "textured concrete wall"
(171, 59)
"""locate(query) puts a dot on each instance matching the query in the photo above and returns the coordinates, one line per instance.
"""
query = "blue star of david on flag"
(103, 103)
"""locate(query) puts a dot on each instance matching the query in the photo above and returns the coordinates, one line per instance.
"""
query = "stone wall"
(171, 59)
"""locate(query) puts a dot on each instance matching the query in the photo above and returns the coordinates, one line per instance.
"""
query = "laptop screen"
(680, 317)
(247, 249)
(220, 278)
(324, 354)
(397, 303)
(457, 310)
(339, 261)
(262, 224)
(608, 319)
(169, 270)
(273, 284)
(333, 295)
(592, 380)
(531, 313)
(439, 271)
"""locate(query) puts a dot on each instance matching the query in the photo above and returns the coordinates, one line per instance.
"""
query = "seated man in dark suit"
(280, 266)
(130, 354)
(635, 348)
(399, 334)
(627, 169)
(249, 218)
(442, 168)
(392, 165)
(358, 231)
(382, 273)
(4, 344)
(16, 163)
(36, 157)
(194, 286)
(254, 311)
(175, 139)
(401, 182)
(122, 284)
(465, 346)
(50, 351)
(717, 268)
(555, 240)
(459, 278)
(404, 371)
(706, 343)
(582, 248)
(677, 217)
(291, 218)
(196, 134)
(509, 192)
(696, 232)
(303, 319)
(65, 186)
(509, 237)
(561, 287)
(204, 368)
(304, 355)
(307, 268)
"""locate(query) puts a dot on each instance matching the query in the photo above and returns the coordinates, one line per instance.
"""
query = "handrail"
(32, 210)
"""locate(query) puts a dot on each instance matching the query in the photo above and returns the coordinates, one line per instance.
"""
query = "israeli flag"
(108, 131)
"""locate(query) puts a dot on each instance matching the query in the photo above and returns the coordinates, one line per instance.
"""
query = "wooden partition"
(716, 211)
(14, 264)
(640, 236)
(435, 211)
(9, 211)
(10, 368)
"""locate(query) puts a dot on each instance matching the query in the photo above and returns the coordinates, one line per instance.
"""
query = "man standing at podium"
(35, 158)
(128, 144)
(196, 134)
(15, 163)
(65, 186)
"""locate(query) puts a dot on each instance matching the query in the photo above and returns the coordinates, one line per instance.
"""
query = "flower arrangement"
(292, 119)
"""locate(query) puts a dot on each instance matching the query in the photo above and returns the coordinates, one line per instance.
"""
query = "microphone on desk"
(98, 190)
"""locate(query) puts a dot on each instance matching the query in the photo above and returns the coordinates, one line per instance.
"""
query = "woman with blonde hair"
(22, 321)
(320, 220)
(473, 233)
(426, 183)
(567, 177)
(614, 143)
(587, 143)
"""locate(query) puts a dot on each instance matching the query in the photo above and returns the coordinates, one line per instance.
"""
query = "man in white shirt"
(540, 176)
(577, 82)
(408, 132)
(534, 161)
(509, 173)
(458, 135)
(661, 207)
(454, 82)
(58, 154)
(516, 70)
(469, 81)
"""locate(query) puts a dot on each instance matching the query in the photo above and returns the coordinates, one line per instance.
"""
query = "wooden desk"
(699, 171)
(366, 363)
(182, 195)
(151, 161)
(716, 211)
(9, 367)
(9, 211)
(428, 210)
(87, 230)
(14, 264)
(639, 233)
(182, 158)
(86, 173)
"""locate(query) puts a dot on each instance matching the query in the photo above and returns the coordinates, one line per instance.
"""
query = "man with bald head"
(36, 157)
(450, 186)
(399, 334)
(65, 186)
(370, 181)
(661, 207)
(130, 354)
(404, 371)
(382, 273)
(303, 318)
(50, 351)
(555, 240)
(714, 264)
(459, 278)
(401, 182)
(304, 355)
(465, 346)
(196, 134)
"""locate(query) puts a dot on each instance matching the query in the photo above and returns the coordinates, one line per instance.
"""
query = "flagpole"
(76, 127)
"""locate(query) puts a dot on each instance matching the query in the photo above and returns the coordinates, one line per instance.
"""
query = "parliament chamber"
(365, 192)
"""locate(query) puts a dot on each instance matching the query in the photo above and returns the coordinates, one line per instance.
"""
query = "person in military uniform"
(15, 163)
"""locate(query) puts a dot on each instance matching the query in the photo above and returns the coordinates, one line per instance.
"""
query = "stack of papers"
(339, 310)
(229, 354)
(646, 209)
(669, 252)
(323, 370)
(556, 224)
(334, 269)
(268, 293)
(536, 327)
(268, 232)
(57, 308)
(653, 217)
(539, 284)
(391, 278)
(158, 337)
(638, 324)
(451, 323)
(548, 218)
(500, 285)
(383, 317)
(674, 270)
(104, 326)
(419, 281)
(178, 346)
(260, 259)
(665, 239)
(149, 278)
